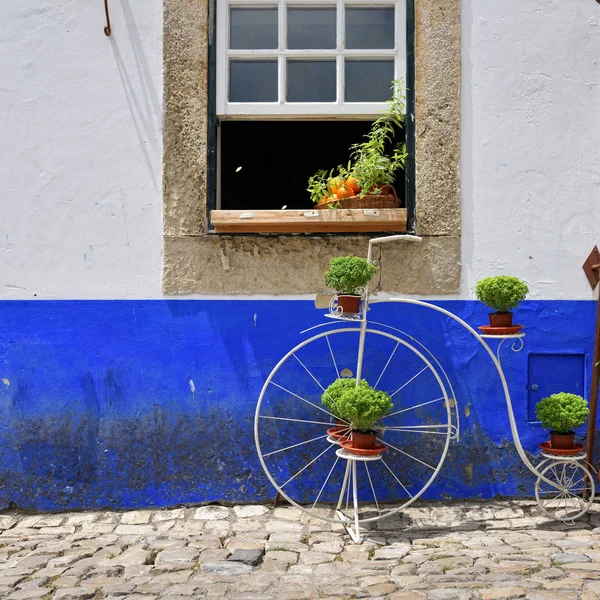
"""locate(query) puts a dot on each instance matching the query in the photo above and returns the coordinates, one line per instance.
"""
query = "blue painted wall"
(97, 410)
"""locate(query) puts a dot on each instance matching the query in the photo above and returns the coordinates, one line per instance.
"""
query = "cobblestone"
(460, 551)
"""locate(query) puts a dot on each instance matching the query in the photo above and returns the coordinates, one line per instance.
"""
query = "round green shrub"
(348, 274)
(362, 406)
(562, 412)
(334, 392)
(502, 293)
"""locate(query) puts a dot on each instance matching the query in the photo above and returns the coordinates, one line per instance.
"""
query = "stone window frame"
(198, 262)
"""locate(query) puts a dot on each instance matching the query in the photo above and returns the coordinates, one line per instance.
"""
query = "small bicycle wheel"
(300, 458)
(571, 493)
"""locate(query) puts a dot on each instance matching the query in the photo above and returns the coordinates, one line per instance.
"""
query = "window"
(297, 82)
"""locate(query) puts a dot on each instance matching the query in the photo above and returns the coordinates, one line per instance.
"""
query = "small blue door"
(553, 373)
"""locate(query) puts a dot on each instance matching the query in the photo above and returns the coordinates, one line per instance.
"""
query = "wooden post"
(591, 268)
(591, 431)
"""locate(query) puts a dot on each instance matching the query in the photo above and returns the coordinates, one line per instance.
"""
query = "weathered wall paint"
(97, 408)
(529, 127)
(80, 115)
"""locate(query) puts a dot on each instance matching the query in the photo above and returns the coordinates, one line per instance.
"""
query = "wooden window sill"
(346, 220)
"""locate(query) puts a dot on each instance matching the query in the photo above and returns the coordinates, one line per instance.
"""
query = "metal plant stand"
(351, 482)
(410, 463)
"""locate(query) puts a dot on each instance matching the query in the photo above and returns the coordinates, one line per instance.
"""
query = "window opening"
(266, 164)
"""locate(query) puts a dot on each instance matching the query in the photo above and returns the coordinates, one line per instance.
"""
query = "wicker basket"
(387, 199)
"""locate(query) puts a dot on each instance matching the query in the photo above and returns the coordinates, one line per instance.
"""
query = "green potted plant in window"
(348, 276)
(362, 407)
(560, 413)
(330, 398)
(501, 293)
(366, 182)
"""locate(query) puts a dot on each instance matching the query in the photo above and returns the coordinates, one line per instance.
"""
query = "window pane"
(370, 28)
(253, 28)
(369, 80)
(253, 81)
(311, 81)
(312, 28)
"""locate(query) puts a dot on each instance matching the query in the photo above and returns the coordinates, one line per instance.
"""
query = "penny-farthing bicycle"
(311, 470)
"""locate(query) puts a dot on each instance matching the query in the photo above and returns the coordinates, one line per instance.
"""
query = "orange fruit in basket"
(345, 192)
(352, 183)
(334, 184)
(324, 199)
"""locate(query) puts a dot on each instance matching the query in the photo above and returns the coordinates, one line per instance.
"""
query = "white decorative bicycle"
(310, 469)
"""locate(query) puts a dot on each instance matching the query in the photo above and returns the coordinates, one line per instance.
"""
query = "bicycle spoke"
(394, 476)
(421, 429)
(556, 498)
(303, 399)
(563, 498)
(372, 488)
(344, 430)
(293, 420)
(405, 454)
(332, 357)
(413, 407)
(296, 445)
(579, 480)
(306, 466)
(337, 458)
(386, 365)
(411, 379)
(308, 371)
(578, 501)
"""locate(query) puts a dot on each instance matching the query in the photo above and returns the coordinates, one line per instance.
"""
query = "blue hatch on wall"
(552, 373)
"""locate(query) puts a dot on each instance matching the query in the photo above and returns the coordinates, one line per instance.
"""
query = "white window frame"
(282, 109)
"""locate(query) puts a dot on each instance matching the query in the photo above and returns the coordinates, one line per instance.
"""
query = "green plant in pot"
(362, 407)
(560, 413)
(330, 398)
(348, 276)
(501, 293)
(367, 180)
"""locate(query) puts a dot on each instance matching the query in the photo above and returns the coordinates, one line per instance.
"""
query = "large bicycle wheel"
(302, 461)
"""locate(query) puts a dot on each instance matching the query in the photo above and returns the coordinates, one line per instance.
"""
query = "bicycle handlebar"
(391, 238)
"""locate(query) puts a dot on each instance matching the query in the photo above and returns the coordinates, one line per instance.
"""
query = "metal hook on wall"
(107, 28)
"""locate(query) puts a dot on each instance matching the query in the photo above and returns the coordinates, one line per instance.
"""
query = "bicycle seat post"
(365, 295)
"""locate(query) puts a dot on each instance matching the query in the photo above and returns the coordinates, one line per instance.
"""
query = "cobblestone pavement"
(466, 551)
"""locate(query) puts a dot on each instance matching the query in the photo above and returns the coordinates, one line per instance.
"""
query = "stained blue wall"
(97, 409)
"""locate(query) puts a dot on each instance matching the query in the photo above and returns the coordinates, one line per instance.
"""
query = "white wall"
(530, 167)
(80, 151)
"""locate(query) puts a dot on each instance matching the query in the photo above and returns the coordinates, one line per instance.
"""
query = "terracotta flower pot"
(562, 441)
(501, 319)
(341, 426)
(341, 431)
(364, 441)
(349, 304)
